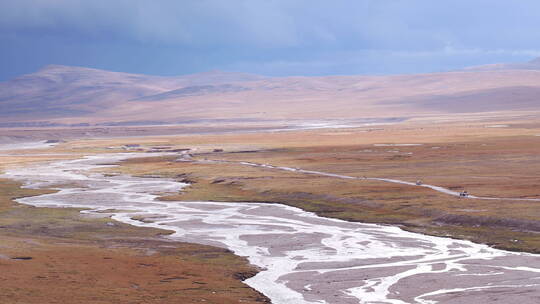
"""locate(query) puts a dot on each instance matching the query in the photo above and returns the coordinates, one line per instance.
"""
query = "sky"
(269, 37)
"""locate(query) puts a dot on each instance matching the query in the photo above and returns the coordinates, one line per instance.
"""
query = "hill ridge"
(74, 95)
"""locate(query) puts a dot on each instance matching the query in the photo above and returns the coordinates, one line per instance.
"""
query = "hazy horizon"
(51, 65)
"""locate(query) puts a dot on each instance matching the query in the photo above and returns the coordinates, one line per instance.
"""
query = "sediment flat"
(329, 259)
(304, 258)
(53, 255)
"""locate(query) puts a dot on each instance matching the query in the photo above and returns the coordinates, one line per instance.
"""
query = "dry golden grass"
(63, 245)
(58, 256)
(500, 162)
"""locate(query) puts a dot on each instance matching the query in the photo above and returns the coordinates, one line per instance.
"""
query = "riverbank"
(51, 255)
(487, 162)
(303, 258)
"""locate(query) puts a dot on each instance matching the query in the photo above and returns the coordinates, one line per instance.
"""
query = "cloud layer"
(268, 36)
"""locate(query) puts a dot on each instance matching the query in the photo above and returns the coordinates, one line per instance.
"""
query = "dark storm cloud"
(273, 37)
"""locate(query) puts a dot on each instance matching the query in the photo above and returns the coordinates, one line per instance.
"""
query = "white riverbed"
(306, 258)
(26, 145)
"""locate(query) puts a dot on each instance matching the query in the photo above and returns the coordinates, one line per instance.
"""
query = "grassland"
(58, 256)
(484, 160)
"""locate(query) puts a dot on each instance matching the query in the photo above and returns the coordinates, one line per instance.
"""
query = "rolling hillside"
(76, 95)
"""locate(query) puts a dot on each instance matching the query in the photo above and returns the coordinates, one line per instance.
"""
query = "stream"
(304, 258)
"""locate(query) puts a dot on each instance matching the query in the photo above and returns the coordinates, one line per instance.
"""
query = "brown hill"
(72, 95)
(531, 65)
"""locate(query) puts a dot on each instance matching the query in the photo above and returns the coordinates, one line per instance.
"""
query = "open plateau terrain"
(340, 173)
(236, 188)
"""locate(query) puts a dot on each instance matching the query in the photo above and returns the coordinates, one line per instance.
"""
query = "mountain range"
(60, 95)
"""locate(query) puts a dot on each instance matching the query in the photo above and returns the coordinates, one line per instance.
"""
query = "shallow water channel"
(305, 258)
